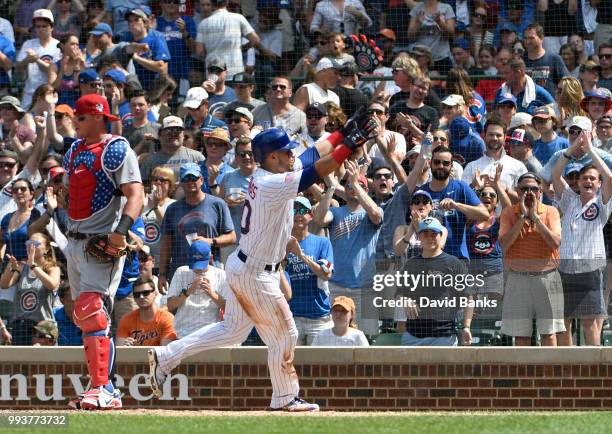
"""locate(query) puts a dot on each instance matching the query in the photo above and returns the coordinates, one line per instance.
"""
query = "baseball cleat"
(75, 403)
(156, 376)
(297, 405)
(98, 398)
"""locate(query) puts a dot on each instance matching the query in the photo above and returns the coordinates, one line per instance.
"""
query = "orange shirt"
(529, 252)
(147, 333)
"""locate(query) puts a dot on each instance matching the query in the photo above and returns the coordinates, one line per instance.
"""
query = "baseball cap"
(65, 109)
(542, 112)
(572, 167)
(453, 100)
(56, 171)
(321, 108)
(199, 255)
(346, 302)
(243, 111)
(194, 97)
(582, 122)
(48, 329)
(172, 122)
(505, 98)
(5, 153)
(387, 33)
(44, 14)
(243, 78)
(88, 75)
(327, 63)
(12, 101)
(506, 27)
(422, 193)
(377, 164)
(94, 104)
(519, 119)
(590, 66)
(189, 169)
(459, 131)
(420, 50)
(219, 134)
(461, 42)
(416, 149)
(101, 29)
(143, 12)
(600, 94)
(116, 75)
(430, 224)
(216, 62)
(303, 201)
(520, 136)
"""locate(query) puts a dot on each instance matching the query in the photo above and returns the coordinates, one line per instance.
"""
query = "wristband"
(336, 138)
(341, 153)
(124, 225)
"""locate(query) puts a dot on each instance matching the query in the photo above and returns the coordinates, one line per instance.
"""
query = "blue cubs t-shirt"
(310, 294)
(353, 234)
(176, 45)
(158, 50)
(543, 151)
(209, 219)
(454, 220)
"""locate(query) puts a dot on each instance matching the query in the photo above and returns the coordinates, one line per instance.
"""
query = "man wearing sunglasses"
(89, 82)
(576, 125)
(316, 119)
(100, 169)
(278, 111)
(530, 236)
(604, 52)
(148, 325)
(521, 143)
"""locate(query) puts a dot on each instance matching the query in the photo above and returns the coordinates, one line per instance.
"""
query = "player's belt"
(78, 235)
(268, 267)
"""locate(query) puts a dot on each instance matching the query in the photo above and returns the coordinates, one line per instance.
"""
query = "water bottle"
(426, 146)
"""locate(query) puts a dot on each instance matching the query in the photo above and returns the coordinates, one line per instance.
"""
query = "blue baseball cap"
(116, 75)
(506, 27)
(461, 43)
(88, 75)
(303, 201)
(504, 98)
(572, 167)
(189, 169)
(199, 255)
(431, 224)
(101, 29)
(422, 193)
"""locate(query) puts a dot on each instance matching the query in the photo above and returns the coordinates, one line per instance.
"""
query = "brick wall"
(342, 379)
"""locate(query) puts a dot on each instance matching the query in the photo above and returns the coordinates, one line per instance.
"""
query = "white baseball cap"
(327, 63)
(519, 119)
(582, 122)
(453, 100)
(172, 122)
(194, 97)
(45, 14)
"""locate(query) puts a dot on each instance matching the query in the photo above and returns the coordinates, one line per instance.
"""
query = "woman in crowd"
(596, 104)
(568, 97)
(459, 83)
(161, 94)
(163, 185)
(344, 333)
(35, 280)
(486, 61)
(570, 56)
(65, 72)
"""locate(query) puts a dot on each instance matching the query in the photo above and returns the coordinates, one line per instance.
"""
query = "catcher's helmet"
(271, 140)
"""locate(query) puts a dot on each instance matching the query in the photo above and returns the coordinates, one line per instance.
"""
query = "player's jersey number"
(245, 222)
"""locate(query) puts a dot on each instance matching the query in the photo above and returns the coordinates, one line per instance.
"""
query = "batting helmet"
(271, 140)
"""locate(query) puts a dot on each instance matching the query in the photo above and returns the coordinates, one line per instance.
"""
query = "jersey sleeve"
(278, 187)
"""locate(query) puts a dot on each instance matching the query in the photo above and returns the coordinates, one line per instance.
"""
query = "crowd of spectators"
(493, 159)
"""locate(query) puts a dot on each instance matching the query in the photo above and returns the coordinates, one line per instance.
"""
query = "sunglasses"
(445, 163)
(491, 195)
(234, 121)
(383, 176)
(159, 179)
(300, 211)
(420, 202)
(529, 189)
(605, 56)
(173, 130)
(278, 86)
(483, 16)
(439, 139)
(215, 144)
(376, 112)
(7, 165)
(20, 189)
(574, 131)
(36, 243)
(316, 116)
(245, 154)
(143, 293)
(190, 178)
(43, 336)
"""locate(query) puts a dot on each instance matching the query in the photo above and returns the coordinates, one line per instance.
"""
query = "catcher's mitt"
(100, 248)
(367, 55)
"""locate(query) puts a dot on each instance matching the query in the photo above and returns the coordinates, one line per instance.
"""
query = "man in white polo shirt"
(583, 255)
(495, 137)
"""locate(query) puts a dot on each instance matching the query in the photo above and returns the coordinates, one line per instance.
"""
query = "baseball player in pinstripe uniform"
(98, 166)
(252, 270)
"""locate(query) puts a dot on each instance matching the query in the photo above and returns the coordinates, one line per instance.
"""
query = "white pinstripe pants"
(255, 299)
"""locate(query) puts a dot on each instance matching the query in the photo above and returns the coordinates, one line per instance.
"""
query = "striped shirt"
(327, 15)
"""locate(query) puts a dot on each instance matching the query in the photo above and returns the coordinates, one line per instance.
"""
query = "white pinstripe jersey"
(267, 218)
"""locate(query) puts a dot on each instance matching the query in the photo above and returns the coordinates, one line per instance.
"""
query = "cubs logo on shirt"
(28, 301)
(591, 213)
(483, 243)
(152, 233)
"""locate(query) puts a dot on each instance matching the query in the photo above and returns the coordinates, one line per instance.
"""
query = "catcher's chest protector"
(91, 189)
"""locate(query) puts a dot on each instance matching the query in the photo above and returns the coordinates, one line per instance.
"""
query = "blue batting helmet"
(271, 140)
